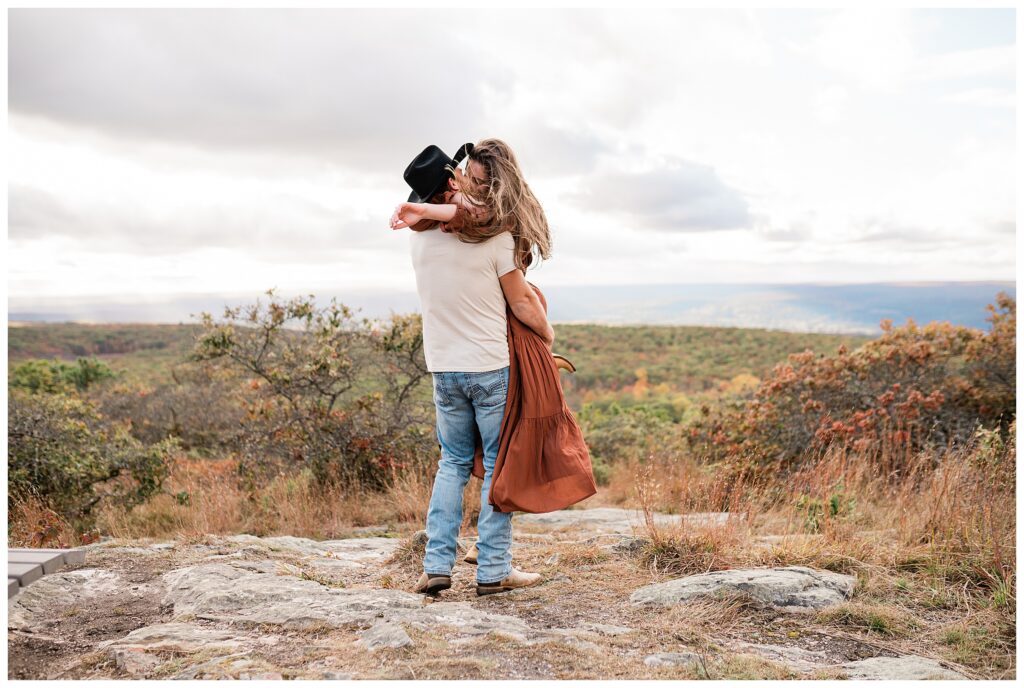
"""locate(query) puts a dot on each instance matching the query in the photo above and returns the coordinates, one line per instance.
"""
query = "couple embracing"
(501, 414)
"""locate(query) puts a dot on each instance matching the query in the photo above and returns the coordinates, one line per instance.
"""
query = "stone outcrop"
(29, 611)
(791, 588)
(246, 607)
(227, 592)
(610, 520)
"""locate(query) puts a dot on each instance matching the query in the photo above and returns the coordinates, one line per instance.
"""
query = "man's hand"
(407, 214)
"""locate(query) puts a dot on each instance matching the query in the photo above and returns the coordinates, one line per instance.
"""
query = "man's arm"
(526, 305)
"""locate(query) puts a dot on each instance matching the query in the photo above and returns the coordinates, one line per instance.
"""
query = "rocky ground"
(246, 607)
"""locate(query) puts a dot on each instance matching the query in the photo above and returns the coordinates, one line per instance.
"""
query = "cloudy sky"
(158, 152)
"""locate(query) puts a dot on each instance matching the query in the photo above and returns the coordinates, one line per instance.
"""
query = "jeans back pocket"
(489, 388)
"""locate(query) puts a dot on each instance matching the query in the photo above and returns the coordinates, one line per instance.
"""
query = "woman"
(484, 198)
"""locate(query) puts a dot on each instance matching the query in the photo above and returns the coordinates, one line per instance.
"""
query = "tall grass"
(952, 510)
(205, 497)
(933, 546)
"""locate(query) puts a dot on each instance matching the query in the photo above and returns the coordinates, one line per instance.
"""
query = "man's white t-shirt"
(464, 323)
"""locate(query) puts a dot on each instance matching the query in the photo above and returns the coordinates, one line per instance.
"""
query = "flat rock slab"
(219, 668)
(611, 520)
(176, 637)
(909, 667)
(34, 607)
(791, 588)
(877, 668)
(350, 553)
(135, 662)
(225, 592)
(255, 592)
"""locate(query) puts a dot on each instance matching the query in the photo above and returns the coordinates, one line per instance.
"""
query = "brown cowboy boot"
(432, 584)
(515, 579)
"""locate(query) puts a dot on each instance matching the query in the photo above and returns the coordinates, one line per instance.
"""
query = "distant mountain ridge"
(806, 307)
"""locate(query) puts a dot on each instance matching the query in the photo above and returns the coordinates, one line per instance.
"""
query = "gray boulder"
(384, 634)
(791, 588)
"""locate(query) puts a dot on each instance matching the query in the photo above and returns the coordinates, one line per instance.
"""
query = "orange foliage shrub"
(912, 388)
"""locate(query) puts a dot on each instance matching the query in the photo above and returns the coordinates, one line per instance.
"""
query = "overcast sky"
(228, 151)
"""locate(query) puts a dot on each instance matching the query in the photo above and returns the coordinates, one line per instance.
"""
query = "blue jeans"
(465, 401)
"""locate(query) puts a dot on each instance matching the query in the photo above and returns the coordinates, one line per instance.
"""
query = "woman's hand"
(407, 214)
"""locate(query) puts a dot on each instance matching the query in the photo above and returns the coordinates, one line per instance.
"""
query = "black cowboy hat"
(427, 175)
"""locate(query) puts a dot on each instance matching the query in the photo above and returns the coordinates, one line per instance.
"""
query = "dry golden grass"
(205, 497)
(933, 548)
(32, 524)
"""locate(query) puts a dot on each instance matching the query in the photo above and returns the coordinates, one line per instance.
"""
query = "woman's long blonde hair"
(509, 202)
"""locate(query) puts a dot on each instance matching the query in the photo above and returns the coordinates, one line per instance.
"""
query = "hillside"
(684, 359)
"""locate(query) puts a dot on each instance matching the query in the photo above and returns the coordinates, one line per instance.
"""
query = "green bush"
(615, 432)
(59, 450)
(200, 405)
(330, 392)
(55, 376)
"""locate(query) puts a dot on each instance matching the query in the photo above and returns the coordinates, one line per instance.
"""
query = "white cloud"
(998, 60)
(829, 104)
(983, 97)
(169, 151)
(871, 45)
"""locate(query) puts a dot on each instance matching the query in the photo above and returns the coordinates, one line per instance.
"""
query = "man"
(463, 290)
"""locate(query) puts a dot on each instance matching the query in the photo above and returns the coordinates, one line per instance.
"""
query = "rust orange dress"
(543, 462)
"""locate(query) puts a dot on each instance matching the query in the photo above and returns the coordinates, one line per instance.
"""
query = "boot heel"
(564, 363)
(436, 584)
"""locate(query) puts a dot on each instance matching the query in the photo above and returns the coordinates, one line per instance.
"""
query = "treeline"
(74, 340)
(683, 359)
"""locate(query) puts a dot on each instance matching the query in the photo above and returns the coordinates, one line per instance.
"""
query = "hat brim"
(415, 197)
